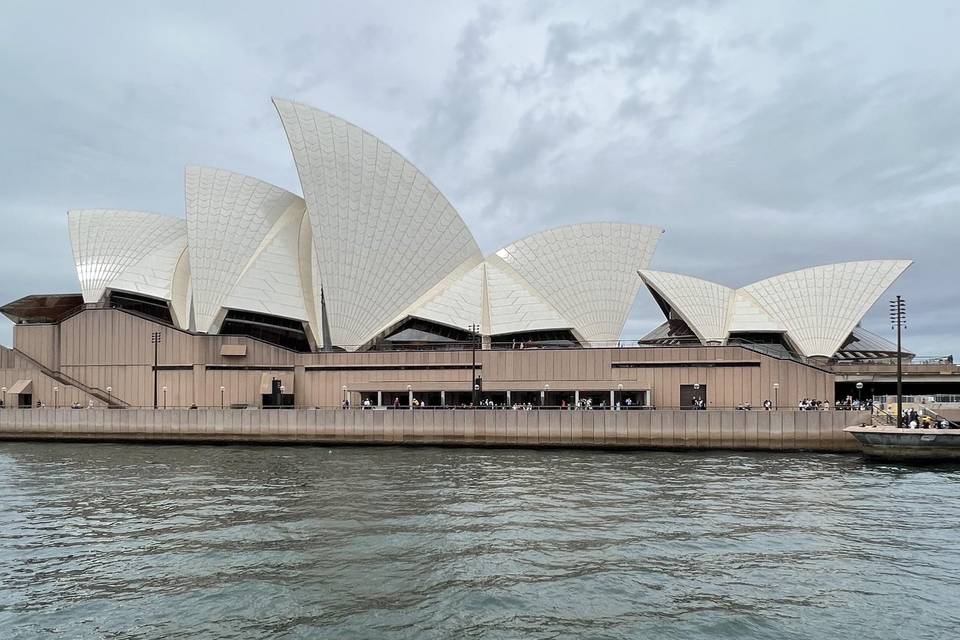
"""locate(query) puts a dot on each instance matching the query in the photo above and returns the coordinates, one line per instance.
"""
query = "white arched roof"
(127, 250)
(702, 304)
(587, 272)
(820, 306)
(383, 234)
(513, 306)
(817, 308)
(244, 246)
(457, 301)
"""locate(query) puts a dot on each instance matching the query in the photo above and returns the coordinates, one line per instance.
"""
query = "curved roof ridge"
(571, 225)
(586, 271)
(210, 167)
(229, 218)
(384, 233)
(111, 244)
(704, 305)
(828, 264)
(819, 306)
(389, 146)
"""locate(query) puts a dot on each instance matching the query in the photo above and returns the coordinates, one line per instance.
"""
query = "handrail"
(62, 378)
(934, 414)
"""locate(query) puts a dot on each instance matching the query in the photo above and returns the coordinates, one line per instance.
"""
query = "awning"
(285, 378)
(21, 386)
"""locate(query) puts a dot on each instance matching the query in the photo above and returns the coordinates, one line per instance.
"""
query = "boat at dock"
(895, 443)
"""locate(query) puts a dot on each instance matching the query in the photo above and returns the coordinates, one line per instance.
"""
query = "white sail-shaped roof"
(513, 306)
(456, 302)
(271, 283)
(231, 220)
(702, 304)
(820, 306)
(383, 234)
(816, 308)
(587, 272)
(127, 250)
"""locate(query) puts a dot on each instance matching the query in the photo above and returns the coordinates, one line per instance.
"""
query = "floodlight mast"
(898, 321)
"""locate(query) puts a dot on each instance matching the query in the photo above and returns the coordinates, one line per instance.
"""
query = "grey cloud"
(762, 140)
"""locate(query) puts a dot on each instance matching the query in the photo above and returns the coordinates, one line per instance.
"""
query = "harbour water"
(130, 541)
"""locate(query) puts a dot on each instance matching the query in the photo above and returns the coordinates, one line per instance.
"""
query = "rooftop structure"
(372, 255)
(812, 312)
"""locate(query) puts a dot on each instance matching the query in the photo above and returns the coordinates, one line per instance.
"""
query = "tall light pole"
(620, 394)
(56, 397)
(222, 389)
(156, 337)
(543, 395)
(343, 402)
(474, 334)
(898, 321)
(776, 395)
(110, 396)
(859, 394)
(164, 397)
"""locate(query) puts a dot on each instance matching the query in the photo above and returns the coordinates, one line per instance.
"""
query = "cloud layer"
(764, 137)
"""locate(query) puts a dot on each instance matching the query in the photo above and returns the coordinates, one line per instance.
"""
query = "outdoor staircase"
(110, 400)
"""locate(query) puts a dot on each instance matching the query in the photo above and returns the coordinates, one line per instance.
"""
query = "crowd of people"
(913, 419)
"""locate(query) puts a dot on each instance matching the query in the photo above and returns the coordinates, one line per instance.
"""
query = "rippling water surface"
(125, 541)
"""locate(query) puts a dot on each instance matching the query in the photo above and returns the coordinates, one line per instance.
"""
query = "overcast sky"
(763, 136)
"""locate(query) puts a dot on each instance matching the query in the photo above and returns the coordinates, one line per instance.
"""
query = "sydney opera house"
(370, 288)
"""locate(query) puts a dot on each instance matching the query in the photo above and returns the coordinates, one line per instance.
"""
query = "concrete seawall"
(736, 430)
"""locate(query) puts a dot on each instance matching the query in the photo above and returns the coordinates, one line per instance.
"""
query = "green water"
(124, 541)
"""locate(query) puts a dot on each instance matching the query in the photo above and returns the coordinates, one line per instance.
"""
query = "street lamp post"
(156, 337)
(222, 389)
(859, 393)
(696, 396)
(898, 321)
(56, 397)
(474, 334)
(620, 395)
(776, 395)
(543, 395)
(164, 397)
(344, 402)
(410, 397)
(110, 396)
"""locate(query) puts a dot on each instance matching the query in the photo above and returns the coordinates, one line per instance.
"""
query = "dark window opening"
(545, 339)
(672, 332)
(417, 333)
(153, 308)
(771, 343)
(282, 332)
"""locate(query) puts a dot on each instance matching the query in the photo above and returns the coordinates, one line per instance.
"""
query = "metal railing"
(450, 407)
(937, 398)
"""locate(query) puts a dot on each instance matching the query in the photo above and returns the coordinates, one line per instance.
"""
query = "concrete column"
(299, 384)
(379, 398)
(199, 395)
(576, 397)
(443, 398)
(509, 404)
(612, 395)
(410, 399)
